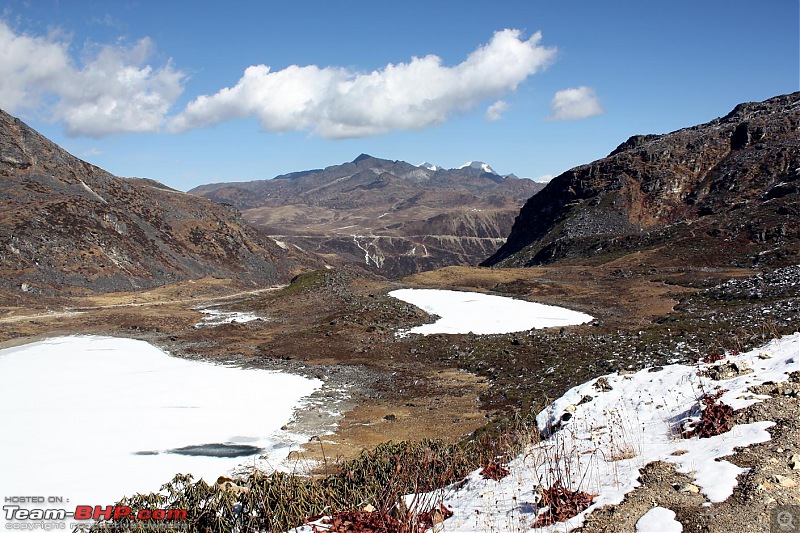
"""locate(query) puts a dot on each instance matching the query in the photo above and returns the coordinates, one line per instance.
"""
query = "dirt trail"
(40, 316)
(71, 311)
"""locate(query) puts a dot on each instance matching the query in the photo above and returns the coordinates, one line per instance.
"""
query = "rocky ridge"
(721, 193)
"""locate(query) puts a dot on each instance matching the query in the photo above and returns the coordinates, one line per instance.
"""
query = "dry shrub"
(715, 419)
(495, 471)
(433, 516)
(280, 501)
(713, 358)
(360, 522)
(380, 522)
(562, 504)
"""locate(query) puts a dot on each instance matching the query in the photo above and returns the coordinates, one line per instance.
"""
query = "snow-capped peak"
(479, 165)
(429, 166)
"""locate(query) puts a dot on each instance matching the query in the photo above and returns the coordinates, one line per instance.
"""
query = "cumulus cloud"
(117, 91)
(113, 90)
(575, 104)
(495, 111)
(339, 103)
(29, 67)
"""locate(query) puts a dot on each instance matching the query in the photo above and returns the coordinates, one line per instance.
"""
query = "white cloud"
(29, 67)
(575, 104)
(116, 91)
(495, 111)
(113, 91)
(543, 178)
(338, 103)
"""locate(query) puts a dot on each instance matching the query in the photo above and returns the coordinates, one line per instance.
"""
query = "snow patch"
(659, 520)
(92, 192)
(216, 318)
(478, 165)
(603, 432)
(375, 257)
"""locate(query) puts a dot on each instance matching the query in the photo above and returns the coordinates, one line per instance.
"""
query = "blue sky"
(192, 92)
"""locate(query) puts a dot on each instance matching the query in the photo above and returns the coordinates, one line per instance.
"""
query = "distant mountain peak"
(478, 165)
(381, 208)
(362, 157)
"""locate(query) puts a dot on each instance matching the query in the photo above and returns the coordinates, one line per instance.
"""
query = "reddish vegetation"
(713, 358)
(562, 504)
(494, 471)
(378, 522)
(360, 522)
(433, 516)
(716, 418)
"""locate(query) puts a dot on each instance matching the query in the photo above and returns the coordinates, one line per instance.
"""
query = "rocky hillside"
(390, 217)
(722, 193)
(65, 224)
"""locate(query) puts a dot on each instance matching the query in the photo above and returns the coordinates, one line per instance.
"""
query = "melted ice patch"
(216, 318)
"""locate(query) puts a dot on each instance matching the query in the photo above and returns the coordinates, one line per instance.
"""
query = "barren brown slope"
(724, 193)
(66, 225)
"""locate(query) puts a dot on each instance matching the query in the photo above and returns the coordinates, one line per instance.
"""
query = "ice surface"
(465, 312)
(93, 419)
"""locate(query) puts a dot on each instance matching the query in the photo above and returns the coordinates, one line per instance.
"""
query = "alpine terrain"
(389, 217)
(675, 262)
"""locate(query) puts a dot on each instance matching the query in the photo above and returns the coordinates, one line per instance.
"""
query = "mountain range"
(683, 247)
(389, 217)
(723, 193)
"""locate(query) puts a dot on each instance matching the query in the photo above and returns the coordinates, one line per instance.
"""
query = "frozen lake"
(93, 419)
(465, 312)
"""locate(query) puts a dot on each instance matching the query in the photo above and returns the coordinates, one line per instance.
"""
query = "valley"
(338, 325)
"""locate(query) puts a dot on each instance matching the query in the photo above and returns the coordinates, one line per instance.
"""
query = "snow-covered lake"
(465, 312)
(93, 419)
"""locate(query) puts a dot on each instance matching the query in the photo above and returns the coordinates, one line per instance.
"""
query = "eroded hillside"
(67, 225)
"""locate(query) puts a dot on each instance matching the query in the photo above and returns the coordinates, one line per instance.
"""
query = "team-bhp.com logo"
(29, 519)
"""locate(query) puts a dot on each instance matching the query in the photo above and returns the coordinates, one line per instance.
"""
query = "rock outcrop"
(722, 193)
